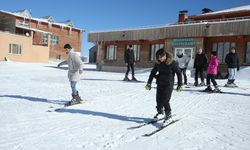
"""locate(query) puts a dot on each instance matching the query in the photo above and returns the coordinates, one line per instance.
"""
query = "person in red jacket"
(213, 64)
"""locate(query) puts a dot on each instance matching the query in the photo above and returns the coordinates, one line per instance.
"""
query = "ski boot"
(159, 113)
(126, 78)
(216, 89)
(202, 83)
(234, 85)
(208, 89)
(195, 83)
(167, 118)
(76, 99)
(134, 79)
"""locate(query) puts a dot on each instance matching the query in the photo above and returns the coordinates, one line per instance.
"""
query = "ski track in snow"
(27, 91)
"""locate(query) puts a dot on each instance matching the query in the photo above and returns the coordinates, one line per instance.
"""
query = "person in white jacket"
(75, 69)
(183, 61)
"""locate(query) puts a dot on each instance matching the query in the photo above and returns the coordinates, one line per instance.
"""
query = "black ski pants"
(199, 71)
(163, 96)
(130, 65)
(212, 78)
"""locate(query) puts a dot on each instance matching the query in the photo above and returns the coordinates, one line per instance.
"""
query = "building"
(28, 39)
(212, 31)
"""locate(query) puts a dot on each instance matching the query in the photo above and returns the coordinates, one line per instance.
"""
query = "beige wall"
(30, 53)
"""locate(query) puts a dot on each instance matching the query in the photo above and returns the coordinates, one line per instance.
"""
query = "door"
(188, 52)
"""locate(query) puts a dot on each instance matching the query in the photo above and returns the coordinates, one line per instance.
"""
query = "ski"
(161, 128)
(63, 107)
(237, 87)
(147, 123)
(212, 92)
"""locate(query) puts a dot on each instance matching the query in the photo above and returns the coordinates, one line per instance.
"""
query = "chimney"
(183, 16)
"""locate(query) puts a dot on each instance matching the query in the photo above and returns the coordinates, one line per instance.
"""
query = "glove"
(148, 87)
(179, 89)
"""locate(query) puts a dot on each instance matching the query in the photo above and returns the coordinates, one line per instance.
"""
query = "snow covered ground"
(28, 90)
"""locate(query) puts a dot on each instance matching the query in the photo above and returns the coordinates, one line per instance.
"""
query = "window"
(24, 23)
(154, 48)
(54, 40)
(111, 52)
(222, 49)
(136, 49)
(248, 53)
(45, 38)
(15, 49)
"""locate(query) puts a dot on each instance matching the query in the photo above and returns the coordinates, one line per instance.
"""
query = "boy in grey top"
(75, 69)
(183, 61)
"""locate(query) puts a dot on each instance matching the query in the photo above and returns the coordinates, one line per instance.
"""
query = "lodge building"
(212, 31)
(28, 39)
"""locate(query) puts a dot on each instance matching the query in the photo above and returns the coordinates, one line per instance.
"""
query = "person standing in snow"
(232, 61)
(129, 59)
(166, 68)
(200, 65)
(212, 69)
(75, 69)
(183, 61)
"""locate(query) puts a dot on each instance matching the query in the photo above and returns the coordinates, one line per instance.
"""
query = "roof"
(48, 19)
(230, 10)
(33, 29)
(194, 29)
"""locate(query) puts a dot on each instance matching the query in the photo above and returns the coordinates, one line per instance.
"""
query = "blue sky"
(96, 15)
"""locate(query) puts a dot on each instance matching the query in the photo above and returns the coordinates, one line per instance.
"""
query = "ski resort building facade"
(212, 31)
(27, 39)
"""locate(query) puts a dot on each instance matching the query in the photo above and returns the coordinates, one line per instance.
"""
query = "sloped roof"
(230, 10)
(47, 19)
(24, 13)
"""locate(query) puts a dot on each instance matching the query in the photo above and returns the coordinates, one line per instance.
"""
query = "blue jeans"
(232, 73)
(73, 87)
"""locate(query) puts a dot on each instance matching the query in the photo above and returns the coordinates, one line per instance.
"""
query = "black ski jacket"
(129, 56)
(200, 61)
(166, 73)
(232, 60)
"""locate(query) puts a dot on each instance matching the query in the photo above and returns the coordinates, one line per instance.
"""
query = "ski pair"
(146, 123)
(153, 121)
(68, 104)
(161, 128)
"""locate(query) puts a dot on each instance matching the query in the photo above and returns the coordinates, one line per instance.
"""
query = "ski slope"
(28, 90)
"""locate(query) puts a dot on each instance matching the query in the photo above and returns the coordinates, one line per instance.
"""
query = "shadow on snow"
(106, 115)
(35, 99)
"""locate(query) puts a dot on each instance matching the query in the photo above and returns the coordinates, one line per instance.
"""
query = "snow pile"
(244, 74)
(28, 90)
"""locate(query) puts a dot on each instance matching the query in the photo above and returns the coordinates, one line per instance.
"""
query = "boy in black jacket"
(129, 59)
(166, 68)
(200, 65)
(233, 65)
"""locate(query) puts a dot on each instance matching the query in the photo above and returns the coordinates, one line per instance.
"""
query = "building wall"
(30, 52)
(145, 48)
(73, 37)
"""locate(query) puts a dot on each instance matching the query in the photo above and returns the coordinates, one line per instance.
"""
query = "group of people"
(164, 71)
(202, 64)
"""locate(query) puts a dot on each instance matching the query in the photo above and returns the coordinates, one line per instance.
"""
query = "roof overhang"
(33, 29)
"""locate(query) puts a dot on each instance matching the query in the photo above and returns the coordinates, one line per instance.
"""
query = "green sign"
(183, 42)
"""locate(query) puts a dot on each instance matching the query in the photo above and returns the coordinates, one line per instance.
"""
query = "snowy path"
(27, 91)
